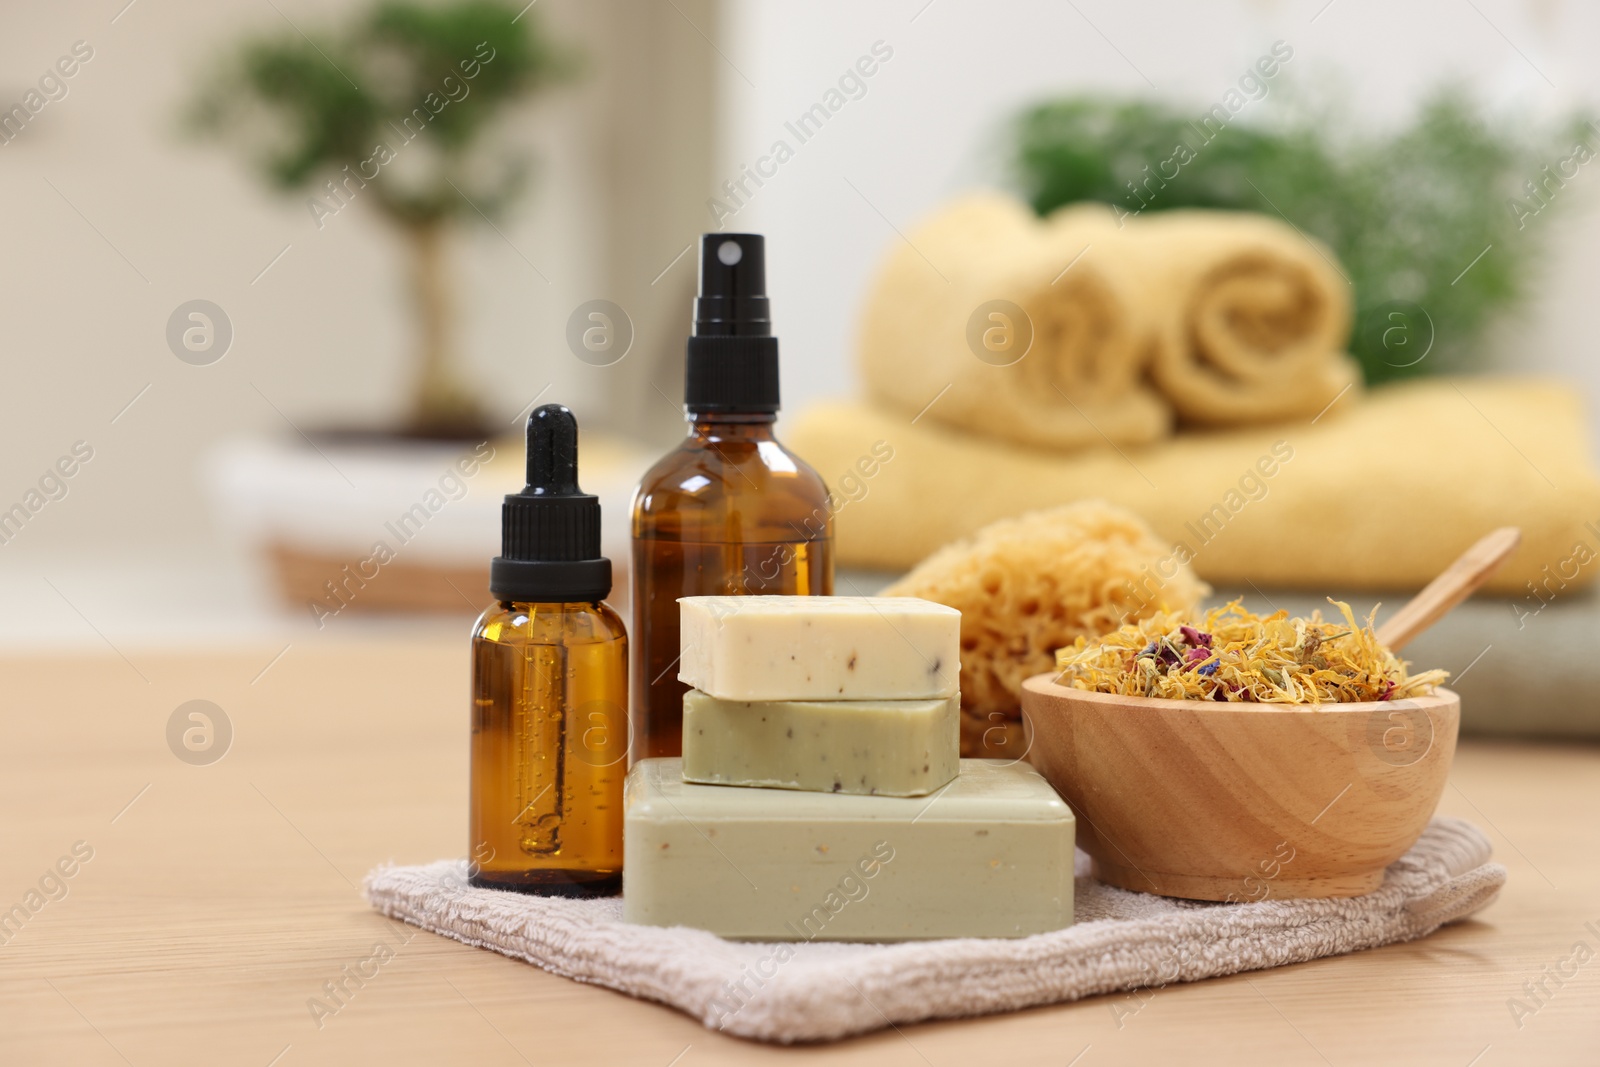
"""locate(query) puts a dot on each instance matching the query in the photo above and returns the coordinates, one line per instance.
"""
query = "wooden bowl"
(1242, 802)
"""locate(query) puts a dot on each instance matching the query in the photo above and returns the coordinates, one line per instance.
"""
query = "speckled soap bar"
(901, 748)
(819, 647)
(990, 855)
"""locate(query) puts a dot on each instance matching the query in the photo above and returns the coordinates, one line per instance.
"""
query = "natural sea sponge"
(1030, 585)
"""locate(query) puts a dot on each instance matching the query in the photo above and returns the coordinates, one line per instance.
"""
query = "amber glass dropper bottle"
(549, 689)
(730, 511)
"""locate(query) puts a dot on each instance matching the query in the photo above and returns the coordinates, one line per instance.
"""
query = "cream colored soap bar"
(819, 647)
(988, 856)
(900, 748)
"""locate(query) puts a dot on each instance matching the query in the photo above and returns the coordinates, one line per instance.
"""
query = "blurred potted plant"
(1410, 215)
(392, 113)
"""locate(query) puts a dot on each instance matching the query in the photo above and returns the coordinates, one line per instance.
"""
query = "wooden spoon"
(1457, 582)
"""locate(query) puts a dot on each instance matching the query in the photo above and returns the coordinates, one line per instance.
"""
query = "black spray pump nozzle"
(732, 364)
(550, 532)
(733, 287)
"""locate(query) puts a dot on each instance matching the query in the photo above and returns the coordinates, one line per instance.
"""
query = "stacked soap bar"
(854, 702)
(896, 748)
(989, 856)
(819, 648)
(829, 694)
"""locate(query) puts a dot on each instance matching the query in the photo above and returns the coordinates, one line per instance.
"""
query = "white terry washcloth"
(821, 991)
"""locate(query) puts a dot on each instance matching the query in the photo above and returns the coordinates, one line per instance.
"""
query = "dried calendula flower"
(1240, 656)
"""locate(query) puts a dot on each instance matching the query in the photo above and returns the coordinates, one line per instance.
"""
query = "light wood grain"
(226, 895)
(1239, 802)
(1453, 585)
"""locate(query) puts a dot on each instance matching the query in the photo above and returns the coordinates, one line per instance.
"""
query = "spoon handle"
(1457, 582)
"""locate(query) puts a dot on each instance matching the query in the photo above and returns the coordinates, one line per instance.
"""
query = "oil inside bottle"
(549, 748)
(666, 570)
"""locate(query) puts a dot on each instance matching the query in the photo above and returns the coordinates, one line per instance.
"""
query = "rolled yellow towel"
(937, 334)
(1250, 317)
(1080, 329)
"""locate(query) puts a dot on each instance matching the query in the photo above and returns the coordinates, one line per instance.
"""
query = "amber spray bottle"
(549, 689)
(730, 511)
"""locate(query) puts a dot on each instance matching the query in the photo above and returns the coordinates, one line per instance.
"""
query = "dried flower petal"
(1240, 656)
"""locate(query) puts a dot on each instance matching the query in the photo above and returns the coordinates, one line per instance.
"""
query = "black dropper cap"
(550, 532)
(732, 364)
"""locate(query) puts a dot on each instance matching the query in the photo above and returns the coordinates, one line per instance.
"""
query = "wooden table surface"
(219, 898)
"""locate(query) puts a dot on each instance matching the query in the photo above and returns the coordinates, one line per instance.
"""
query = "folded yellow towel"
(1080, 329)
(1249, 317)
(1065, 371)
(1381, 492)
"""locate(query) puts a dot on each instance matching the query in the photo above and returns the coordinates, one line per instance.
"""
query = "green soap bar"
(898, 748)
(989, 855)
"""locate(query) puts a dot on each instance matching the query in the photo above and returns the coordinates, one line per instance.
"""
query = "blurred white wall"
(932, 122)
(111, 219)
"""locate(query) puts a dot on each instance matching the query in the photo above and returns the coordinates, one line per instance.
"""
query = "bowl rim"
(1045, 685)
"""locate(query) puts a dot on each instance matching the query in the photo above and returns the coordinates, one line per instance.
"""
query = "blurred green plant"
(1406, 214)
(394, 111)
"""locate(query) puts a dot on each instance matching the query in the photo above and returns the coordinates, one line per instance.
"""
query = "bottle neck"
(722, 425)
